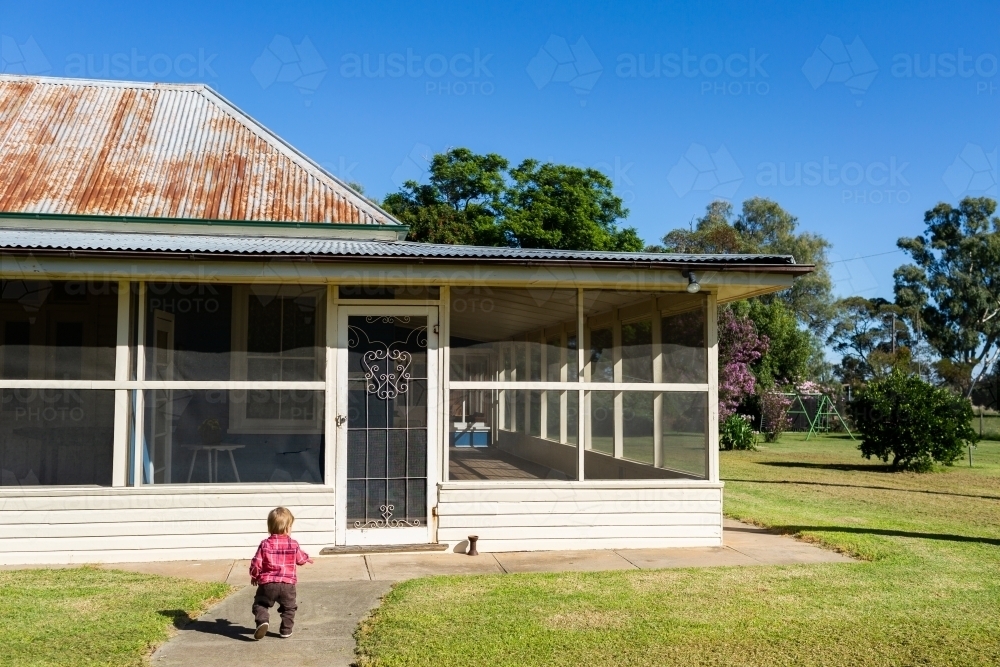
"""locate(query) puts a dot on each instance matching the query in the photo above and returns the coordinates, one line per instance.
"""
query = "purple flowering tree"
(739, 346)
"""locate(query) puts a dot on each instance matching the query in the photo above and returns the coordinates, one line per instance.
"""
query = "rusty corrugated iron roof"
(82, 147)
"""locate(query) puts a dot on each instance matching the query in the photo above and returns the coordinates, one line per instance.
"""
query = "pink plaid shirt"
(275, 561)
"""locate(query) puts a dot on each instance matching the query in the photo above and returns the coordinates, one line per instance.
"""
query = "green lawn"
(91, 616)
(927, 593)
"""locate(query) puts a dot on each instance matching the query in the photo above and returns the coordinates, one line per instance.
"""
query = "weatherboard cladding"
(33, 239)
(79, 147)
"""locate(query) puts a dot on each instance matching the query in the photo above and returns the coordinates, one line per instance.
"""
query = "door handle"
(341, 420)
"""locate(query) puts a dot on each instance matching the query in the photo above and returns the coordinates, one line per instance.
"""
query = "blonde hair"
(279, 521)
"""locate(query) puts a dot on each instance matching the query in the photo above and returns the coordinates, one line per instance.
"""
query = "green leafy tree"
(479, 200)
(872, 337)
(952, 288)
(790, 348)
(763, 226)
(558, 206)
(460, 203)
(913, 423)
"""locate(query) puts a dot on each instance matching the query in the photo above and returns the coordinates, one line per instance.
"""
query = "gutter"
(794, 269)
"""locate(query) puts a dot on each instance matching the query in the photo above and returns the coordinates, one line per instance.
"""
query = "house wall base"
(74, 525)
(540, 516)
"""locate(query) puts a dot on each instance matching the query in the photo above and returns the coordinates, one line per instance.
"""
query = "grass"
(926, 593)
(91, 616)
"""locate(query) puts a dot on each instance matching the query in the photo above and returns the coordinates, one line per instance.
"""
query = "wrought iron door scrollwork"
(387, 370)
(387, 521)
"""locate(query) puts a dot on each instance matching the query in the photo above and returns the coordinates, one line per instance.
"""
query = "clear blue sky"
(857, 117)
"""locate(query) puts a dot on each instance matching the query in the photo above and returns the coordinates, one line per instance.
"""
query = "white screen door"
(386, 424)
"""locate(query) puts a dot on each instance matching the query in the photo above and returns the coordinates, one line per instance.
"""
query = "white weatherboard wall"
(107, 525)
(534, 516)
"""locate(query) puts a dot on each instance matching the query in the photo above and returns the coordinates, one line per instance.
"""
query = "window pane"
(685, 356)
(685, 433)
(56, 437)
(230, 436)
(484, 446)
(498, 334)
(678, 451)
(602, 421)
(207, 331)
(63, 330)
(602, 362)
(637, 426)
(637, 351)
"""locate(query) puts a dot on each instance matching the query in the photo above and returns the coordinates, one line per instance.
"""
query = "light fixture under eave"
(693, 285)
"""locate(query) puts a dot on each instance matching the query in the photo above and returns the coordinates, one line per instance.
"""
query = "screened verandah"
(516, 385)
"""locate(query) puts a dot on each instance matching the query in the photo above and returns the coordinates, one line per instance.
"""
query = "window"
(63, 331)
(501, 340)
(190, 439)
(58, 330)
(56, 437)
(517, 389)
(658, 340)
(267, 344)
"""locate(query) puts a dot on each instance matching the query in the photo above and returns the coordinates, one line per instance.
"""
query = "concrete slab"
(561, 561)
(199, 570)
(651, 559)
(240, 574)
(324, 626)
(335, 568)
(398, 567)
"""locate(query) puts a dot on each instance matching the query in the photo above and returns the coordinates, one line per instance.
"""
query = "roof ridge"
(106, 83)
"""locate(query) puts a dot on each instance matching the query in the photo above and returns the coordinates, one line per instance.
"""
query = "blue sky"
(856, 117)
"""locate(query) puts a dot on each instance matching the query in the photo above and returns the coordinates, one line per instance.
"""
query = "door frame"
(427, 533)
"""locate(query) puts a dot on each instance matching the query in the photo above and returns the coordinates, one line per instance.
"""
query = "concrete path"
(336, 592)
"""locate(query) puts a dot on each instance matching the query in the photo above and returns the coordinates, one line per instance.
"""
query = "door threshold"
(380, 549)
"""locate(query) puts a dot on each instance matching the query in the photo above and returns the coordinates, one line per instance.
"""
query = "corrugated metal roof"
(86, 241)
(81, 147)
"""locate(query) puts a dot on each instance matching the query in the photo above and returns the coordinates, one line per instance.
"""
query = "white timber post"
(119, 459)
(713, 387)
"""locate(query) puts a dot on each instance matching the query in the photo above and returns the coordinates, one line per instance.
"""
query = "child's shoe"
(261, 631)
(285, 636)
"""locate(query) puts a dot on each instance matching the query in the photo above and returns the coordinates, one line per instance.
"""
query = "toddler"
(272, 571)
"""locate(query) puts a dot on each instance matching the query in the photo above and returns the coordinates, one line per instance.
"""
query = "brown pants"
(267, 595)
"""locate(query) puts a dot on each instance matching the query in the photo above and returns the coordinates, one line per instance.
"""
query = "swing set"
(821, 418)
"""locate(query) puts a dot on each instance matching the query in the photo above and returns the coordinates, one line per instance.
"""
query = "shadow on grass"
(847, 467)
(889, 533)
(857, 486)
(223, 627)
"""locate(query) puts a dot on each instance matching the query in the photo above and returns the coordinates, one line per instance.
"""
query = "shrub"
(774, 418)
(737, 433)
(916, 424)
